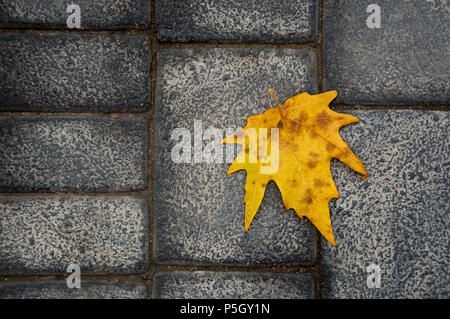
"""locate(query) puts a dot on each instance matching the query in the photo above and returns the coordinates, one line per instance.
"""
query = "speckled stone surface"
(58, 290)
(398, 218)
(68, 71)
(237, 21)
(44, 234)
(407, 60)
(95, 14)
(232, 285)
(73, 153)
(199, 210)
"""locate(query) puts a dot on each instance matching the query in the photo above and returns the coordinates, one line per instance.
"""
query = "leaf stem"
(272, 93)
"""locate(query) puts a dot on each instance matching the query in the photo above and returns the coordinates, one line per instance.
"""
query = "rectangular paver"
(398, 218)
(406, 60)
(199, 210)
(94, 14)
(233, 285)
(58, 290)
(237, 21)
(73, 153)
(44, 234)
(77, 72)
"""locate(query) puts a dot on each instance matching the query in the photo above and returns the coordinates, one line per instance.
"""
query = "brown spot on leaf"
(323, 120)
(308, 199)
(330, 147)
(302, 116)
(295, 126)
(312, 163)
(319, 183)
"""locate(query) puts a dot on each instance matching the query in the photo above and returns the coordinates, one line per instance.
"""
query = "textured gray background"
(58, 290)
(96, 14)
(44, 234)
(56, 72)
(204, 284)
(405, 61)
(237, 21)
(399, 217)
(73, 153)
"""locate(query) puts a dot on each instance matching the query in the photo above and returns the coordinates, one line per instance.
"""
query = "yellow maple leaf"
(302, 137)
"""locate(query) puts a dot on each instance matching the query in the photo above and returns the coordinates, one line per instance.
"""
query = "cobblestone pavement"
(86, 117)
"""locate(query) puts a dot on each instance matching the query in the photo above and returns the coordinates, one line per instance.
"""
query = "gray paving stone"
(58, 290)
(95, 14)
(73, 153)
(44, 234)
(199, 210)
(233, 285)
(237, 21)
(405, 61)
(398, 218)
(68, 71)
